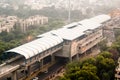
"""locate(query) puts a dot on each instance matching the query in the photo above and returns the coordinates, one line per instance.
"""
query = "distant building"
(7, 23)
(115, 13)
(33, 20)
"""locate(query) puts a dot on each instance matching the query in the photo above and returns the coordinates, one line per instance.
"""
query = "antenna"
(69, 12)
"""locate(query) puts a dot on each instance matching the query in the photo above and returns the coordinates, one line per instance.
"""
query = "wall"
(91, 40)
(81, 46)
(65, 50)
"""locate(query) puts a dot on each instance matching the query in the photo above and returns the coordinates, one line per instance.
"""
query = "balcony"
(90, 45)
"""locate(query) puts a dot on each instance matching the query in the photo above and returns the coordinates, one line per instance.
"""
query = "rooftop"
(37, 46)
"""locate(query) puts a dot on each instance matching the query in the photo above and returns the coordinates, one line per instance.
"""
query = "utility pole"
(69, 12)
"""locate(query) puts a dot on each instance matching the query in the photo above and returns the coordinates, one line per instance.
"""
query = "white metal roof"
(76, 29)
(101, 18)
(89, 24)
(45, 34)
(69, 33)
(71, 25)
(37, 46)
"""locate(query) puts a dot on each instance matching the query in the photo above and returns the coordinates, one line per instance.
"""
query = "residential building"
(7, 23)
(33, 20)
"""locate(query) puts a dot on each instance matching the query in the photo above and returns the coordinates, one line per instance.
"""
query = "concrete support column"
(14, 75)
(97, 46)
(77, 56)
(29, 70)
(70, 59)
(52, 58)
(91, 49)
(85, 53)
(41, 63)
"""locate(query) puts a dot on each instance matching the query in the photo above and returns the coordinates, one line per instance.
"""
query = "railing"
(91, 39)
(93, 43)
(9, 70)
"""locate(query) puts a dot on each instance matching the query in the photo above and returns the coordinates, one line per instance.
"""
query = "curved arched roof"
(37, 46)
(55, 37)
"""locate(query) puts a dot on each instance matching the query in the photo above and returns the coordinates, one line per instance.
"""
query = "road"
(51, 71)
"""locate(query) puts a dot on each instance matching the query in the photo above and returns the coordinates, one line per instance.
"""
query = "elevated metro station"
(67, 42)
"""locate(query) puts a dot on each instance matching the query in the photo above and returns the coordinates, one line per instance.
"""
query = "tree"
(81, 71)
(99, 68)
(106, 54)
(90, 61)
(81, 75)
(103, 46)
(89, 67)
(105, 64)
(105, 76)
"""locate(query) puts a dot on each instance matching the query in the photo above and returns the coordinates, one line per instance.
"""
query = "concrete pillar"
(91, 49)
(70, 59)
(85, 53)
(14, 75)
(52, 58)
(41, 63)
(77, 56)
(29, 70)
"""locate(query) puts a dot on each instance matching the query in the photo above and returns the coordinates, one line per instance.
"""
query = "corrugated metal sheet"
(71, 25)
(35, 47)
(69, 33)
(101, 18)
(45, 34)
(89, 24)
(75, 32)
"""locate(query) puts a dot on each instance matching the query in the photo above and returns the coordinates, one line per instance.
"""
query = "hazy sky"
(92, 0)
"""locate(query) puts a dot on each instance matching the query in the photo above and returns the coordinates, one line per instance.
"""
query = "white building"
(7, 23)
